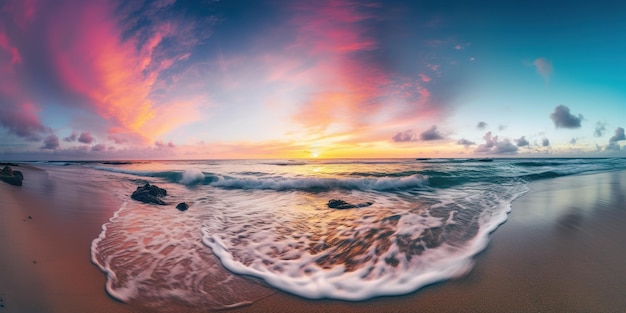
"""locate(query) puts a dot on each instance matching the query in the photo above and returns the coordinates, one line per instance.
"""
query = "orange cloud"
(343, 87)
(115, 73)
(345, 82)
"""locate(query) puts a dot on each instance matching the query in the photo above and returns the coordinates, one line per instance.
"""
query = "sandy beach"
(45, 263)
(560, 250)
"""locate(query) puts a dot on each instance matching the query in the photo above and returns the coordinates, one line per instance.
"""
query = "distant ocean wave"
(279, 183)
(440, 174)
(323, 184)
(187, 177)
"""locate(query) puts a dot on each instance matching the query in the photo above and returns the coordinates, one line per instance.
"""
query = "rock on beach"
(8, 175)
(341, 205)
(149, 194)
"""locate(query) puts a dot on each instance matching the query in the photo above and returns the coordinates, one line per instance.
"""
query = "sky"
(168, 79)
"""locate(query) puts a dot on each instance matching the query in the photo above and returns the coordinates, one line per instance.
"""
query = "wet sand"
(45, 263)
(561, 250)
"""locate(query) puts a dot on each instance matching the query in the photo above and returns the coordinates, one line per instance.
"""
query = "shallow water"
(269, 220)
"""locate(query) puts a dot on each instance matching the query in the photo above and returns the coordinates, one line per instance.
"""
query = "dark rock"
(334, 203)
(8, 175)
(149, 194)
(341, 205)
(182, 206)
(7, 171)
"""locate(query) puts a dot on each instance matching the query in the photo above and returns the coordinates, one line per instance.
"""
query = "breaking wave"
(186, 177)
(323, 184)
(281, 183)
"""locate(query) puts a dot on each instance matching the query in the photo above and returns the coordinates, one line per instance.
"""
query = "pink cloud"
(332, 26)
(116, 75)
(424, 78)
(117, 139)
(22, 12)
(86, 137)
(423, 92)
(346, 85)
(51, 142)
(71, 138)
(6, 45)
(18, 113)
(23, 121)
(162, 145)
(99, 147)
(342, 85)
(346, 90)
(544, 68)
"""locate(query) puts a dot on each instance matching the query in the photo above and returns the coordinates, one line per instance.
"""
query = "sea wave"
(186, 177)
(192, 177)
(323, 184)
(402, 177)
(286, 163)
(280, 183)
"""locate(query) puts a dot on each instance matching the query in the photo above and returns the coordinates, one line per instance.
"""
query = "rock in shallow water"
(340, 204)
(149, 194)
(182, 206)
(8, 175)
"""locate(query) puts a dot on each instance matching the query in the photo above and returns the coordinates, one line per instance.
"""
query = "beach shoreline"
(558, 251)
(46, 229)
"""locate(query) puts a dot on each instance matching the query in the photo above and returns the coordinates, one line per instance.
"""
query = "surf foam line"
(187, 177)
(280, 183)
(323, 184)
(156, 263)
(123, 294)
(369, 256)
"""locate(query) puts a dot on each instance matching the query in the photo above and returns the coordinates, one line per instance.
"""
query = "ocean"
(254, 226)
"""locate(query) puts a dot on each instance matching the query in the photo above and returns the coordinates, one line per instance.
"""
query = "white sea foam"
(154, 256)
(190, 177)
(358, 254)
(126, 171)
(312, 183)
